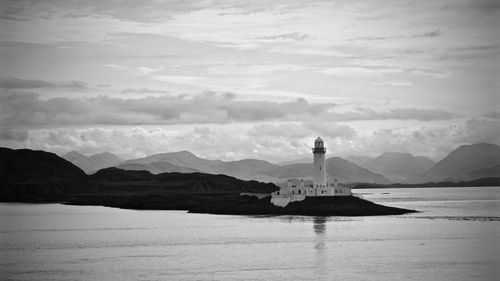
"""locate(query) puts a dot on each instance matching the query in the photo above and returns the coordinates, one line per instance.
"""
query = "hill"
(80, 160)
(467, 162)
(348, 172)
(296, 161)
(398, 167)
(105, 160)
(29, 175)
(156, 167)
(185, 161)
(94, 162)
(252, 169)
(179, 159)
(144, 182)
(359, 160)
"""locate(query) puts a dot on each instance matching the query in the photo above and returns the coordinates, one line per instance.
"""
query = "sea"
(455, 236)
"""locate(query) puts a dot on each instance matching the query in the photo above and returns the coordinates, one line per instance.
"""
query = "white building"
(299, 189)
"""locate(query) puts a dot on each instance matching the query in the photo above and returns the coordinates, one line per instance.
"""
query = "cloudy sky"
(249, 79)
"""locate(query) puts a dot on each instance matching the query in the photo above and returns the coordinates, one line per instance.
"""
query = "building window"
(299, 191)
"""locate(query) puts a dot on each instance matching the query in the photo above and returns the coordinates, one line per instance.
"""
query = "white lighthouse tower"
(319, 161)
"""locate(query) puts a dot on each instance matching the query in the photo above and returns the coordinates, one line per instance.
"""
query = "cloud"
(274, 142)
(433, 73)
(297, 131)
(145, 70)
(478, 131)
(289, 131)
(427, 139)
(248, 69)
(144, 91)
(493, 115)
(225, 142)
(14, 134)
(115, 66)
(17, 83)
(397, 83)
(28, 109)
(429, 34)
(365, 113)
(331, 130)
(359, 71)
(146, 11)
(484, 6)
(180, 79)
(271, 141)
(431, 141)
(295, 36)
(468, 52)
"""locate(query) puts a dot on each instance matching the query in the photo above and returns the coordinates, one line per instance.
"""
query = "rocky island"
(311, 206)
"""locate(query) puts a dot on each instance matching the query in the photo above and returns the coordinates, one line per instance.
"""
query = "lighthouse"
(298, 189)
(319, 175)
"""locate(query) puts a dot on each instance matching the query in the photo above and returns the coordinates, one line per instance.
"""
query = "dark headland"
(42, 177)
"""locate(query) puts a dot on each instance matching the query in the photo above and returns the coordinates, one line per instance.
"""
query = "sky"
(249, 79)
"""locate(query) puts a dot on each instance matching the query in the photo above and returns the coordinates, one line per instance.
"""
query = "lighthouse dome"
(318, 142)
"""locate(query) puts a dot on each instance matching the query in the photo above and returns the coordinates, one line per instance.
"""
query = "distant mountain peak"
(483, 145)
(466, 162)
(185, 153)
(74, 153)
(396, 154)
(105, 153)
(94, 162)
(397, 166)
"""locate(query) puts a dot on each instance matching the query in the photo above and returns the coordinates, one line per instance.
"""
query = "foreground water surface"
(454, 237)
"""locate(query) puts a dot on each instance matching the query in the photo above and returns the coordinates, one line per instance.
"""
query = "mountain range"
(251, 169)
(395, 166)
(467, 162)
(93, 162)
(38, 176)
(464, 163)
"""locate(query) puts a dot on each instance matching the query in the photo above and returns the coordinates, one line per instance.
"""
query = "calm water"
(455, 237)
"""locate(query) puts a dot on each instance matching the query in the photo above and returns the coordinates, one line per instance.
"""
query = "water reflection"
(319, 225)
(320, 259)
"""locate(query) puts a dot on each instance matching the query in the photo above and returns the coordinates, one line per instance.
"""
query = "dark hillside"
(34, 174)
